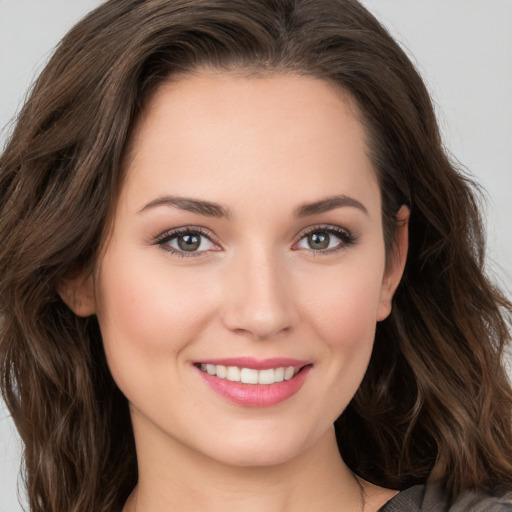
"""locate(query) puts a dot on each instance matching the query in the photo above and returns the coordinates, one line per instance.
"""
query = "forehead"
(297, 133)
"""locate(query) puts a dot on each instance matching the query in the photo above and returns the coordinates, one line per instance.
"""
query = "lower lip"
(256, 395)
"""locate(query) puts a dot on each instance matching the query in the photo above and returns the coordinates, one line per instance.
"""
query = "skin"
(261, 148)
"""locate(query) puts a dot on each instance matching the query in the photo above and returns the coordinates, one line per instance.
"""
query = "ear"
(77, 292)
(396, 264)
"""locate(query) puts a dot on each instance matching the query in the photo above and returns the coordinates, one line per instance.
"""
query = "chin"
(258, 450)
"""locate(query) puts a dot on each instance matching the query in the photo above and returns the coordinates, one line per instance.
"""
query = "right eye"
(186, 242)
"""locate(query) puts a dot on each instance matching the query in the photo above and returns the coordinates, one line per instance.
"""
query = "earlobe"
(396, 265)
(77, 292)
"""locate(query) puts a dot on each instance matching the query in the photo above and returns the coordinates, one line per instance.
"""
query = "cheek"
(147, 316)
(338, 310)
(343, 317)
(343, 305)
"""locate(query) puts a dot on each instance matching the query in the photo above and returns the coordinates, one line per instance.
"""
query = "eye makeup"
(195, 241)
(187, 241)
(321, 239)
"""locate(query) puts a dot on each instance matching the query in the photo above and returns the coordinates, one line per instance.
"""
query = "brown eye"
(326, 240)
(319, 240)
(189, 242)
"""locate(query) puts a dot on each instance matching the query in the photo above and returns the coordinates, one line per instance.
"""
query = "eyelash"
(347, 239)
(166, 237)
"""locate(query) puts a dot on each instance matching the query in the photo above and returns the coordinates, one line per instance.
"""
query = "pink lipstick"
(254, 382)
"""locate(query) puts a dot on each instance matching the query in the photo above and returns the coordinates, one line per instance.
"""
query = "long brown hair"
(435, 400)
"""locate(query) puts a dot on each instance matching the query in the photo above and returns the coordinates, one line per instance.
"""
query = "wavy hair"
(435, 401)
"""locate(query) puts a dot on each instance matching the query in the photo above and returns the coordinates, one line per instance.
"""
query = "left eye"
(188, 242)
(322, 240)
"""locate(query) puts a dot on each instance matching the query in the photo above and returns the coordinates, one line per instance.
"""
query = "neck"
(179, 478)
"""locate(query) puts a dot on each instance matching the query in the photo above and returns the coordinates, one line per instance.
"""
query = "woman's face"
(247, 245)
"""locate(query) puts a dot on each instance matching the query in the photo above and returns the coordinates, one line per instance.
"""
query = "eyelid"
(169, 234)
(346, 236)
(347, 239)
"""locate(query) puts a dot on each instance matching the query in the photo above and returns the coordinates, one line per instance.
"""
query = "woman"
(238, 271)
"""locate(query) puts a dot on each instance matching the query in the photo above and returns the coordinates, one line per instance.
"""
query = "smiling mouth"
(250, 375)
(255, 383)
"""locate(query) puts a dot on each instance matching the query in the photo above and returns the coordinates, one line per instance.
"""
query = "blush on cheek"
(154, 311)
(346, 312)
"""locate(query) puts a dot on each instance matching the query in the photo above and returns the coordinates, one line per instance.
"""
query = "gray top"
(430, 498)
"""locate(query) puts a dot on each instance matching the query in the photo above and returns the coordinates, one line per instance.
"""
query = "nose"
(260, 301)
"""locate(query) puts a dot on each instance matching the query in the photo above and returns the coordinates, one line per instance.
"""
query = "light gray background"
(463, 49)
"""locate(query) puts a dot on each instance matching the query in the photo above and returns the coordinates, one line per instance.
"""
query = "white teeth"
(233, 374)
(250, 375)
(267, 376)
(289, 373)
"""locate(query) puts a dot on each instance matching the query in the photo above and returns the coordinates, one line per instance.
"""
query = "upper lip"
(256, 363)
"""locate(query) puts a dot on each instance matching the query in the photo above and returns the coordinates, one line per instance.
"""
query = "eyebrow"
(201, 207)
(210, 209)
(327, 204)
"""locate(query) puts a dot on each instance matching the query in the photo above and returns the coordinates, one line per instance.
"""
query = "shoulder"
(431, 498)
